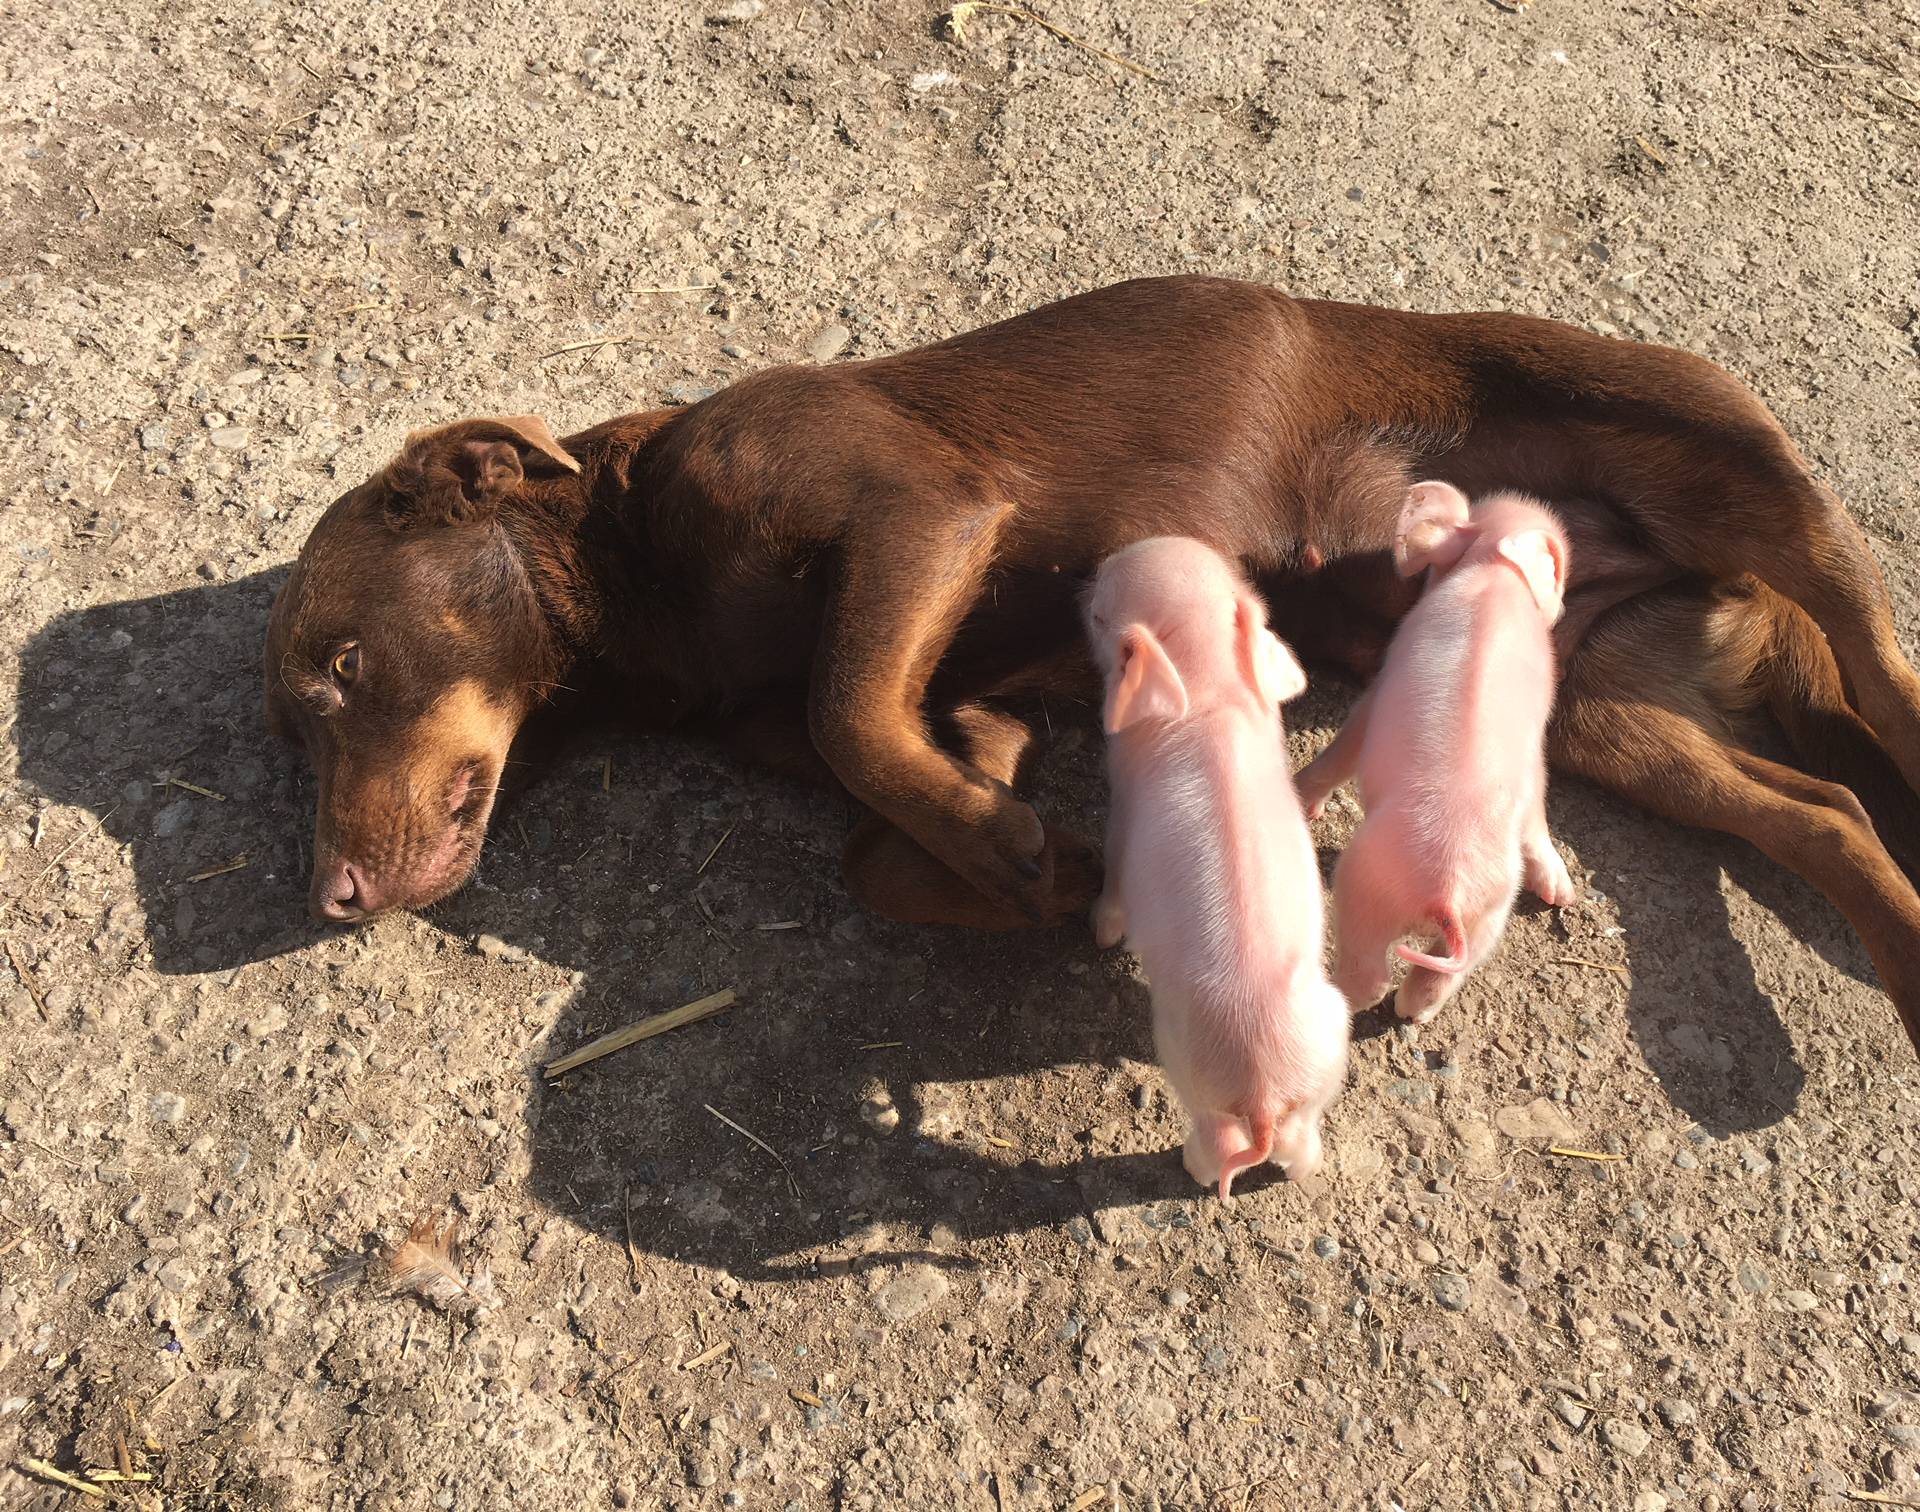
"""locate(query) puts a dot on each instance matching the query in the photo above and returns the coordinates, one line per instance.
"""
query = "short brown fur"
(849, 567)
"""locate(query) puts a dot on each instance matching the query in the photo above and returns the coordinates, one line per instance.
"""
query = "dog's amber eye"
(346, 666)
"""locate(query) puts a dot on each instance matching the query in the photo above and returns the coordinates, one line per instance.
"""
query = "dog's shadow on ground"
(660, 885)
(147, 715)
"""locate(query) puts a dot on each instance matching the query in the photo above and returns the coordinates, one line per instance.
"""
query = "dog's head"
(403, 654)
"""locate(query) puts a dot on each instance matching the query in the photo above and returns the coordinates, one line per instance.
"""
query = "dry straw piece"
(647, 1028)
(741, 1129)
(41, 1470)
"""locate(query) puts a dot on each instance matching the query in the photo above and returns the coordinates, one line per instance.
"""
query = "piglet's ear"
(1271, 670)
(1148, 686)
(461, 473)
(1433, 530)
(1538, 556)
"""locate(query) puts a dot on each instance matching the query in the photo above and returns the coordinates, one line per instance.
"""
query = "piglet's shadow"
(943, 1162)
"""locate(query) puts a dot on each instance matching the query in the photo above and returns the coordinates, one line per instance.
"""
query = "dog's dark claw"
(1028, 868)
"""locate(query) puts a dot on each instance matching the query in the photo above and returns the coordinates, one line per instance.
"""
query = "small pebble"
(912, 1292)
(1327, 1247)
(1623, 1436)
(1454, 1293)
(176, 1276)
(829, 344)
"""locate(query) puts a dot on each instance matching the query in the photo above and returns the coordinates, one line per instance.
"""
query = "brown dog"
(853, 564)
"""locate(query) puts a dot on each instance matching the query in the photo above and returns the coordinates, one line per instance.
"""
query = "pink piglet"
(1211, 874)
(1448, 747)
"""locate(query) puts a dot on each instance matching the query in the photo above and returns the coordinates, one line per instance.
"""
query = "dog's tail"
(1801, 684)
(1260, 1122)
(1447, 921)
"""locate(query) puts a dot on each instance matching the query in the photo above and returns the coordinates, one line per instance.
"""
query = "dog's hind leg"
(1640, 714)
(1806, 696)
(1832, 574)
(1771, 520)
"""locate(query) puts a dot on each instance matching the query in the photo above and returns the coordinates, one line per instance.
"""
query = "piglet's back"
(1472, 687)
(1224, 887)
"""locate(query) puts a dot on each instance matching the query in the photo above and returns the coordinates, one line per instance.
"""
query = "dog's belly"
(1022, 635)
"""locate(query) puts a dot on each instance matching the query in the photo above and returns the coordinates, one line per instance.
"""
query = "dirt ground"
(246, 248)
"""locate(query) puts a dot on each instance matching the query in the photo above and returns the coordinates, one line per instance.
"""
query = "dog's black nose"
(341, 894)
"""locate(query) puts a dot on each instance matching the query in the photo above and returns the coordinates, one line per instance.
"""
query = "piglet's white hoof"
(1202, 1164)
(1109, 922)
(1413, 1013)
(1554, 887)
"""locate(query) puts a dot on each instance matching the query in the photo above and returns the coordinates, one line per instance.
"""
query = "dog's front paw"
(1006, 856)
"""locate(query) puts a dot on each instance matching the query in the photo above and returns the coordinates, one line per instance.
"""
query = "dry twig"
(792, 1185)
(647, 1028)
(716, 849)
(1591, 965)
(238, 863)
(27, 981)
(41, 1470)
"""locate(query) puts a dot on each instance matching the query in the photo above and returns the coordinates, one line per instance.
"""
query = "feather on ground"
(427, 1264)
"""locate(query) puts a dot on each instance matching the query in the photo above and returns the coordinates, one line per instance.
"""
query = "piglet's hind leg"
(1547, 877)
(1296, 1143)
(1423, 991)
(1368, 914)
(1216, 1140)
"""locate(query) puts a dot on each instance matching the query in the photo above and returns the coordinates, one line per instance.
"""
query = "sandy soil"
(246, 248)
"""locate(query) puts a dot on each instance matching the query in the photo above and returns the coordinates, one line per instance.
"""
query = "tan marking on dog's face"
(410, 817)
(463, 722)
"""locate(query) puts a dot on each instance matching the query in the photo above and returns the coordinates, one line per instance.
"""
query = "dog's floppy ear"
(1148, 686)
(1270, 668)
(1432, 531)
(1542, 562)
(461, 472)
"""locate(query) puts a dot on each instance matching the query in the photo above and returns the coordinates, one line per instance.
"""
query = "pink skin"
(1455, 785)
(1212, 881)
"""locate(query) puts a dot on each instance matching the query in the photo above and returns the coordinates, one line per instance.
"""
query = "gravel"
(320, 227)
